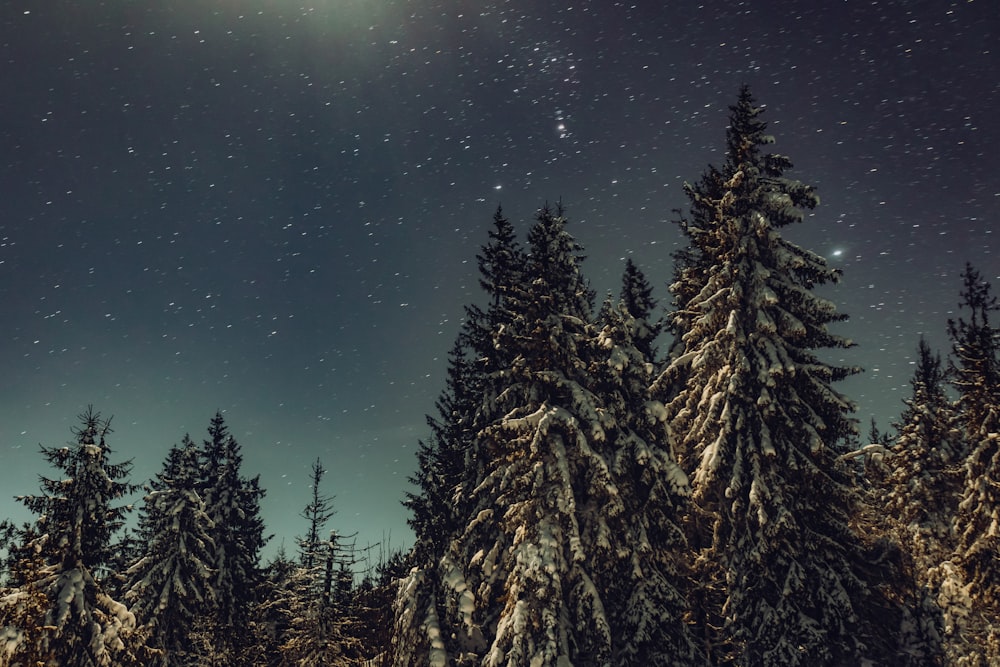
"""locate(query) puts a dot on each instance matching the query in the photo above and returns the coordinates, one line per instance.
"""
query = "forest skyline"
(581, 497)
(272, 211)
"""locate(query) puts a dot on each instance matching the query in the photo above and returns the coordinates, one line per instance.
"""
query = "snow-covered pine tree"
(435, 509)
(22, 606)
(372, 600)
(975, 360)
(170, 585)
(759, 426)
(520, 573)
(976, 375)
(545, 532)
(641, 575)
(232, 503)
(926, 475)
(693, 260)
(270, 615)
(637, 301)
(447, 468)
(64, 552)
(435, 518)
(920, 492)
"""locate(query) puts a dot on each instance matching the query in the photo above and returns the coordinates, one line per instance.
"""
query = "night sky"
(272, 208)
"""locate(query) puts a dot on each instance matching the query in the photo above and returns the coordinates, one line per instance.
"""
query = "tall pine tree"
(926, 477)
(531, 576)
(317, 513)
(232, 503)
(921, 494)
(759, 426)
(441, 461)
(63, 613)
(976, 376)
(641, 576)
(448, 470)
(976, 371)
(170, 585)
(314, 621)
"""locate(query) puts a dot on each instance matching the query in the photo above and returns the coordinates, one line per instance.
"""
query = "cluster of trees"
(582, 498)
(187, 587)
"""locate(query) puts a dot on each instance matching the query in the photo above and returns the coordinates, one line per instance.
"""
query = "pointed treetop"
(637, 293)
(745, 133)
(93, 429)
(975, 362)
(499, 259)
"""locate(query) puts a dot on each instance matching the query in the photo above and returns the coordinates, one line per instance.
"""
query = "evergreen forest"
(648, 480)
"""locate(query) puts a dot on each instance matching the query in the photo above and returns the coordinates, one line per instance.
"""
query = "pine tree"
(921, 490)
(374, 601)
(524, 554)
(976, 376)
(317, 624)
(232, 503)
(435, 508)
(693, 261)
(501, 263)
(759, 426)
(638, 302)
(974, 363)
(170, 585)
(641, 576)
(313, 619)
(62, 610)
(317, 513)
(23, 607)
(272, 612)
(925, 482)
(447, 468)
(544, 528)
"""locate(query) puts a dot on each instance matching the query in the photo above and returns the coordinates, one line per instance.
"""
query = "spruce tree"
(232, 503)
(921, 493)
(272, 612)
(501, 263)
(313, 619)
(23, 607)
(975, 362)
(925, 481)
(637, 301)
(448, 470)
(170, 585)
(976, 375)
(317, 513)
(759, 426)
(538, 505)
(435, 509)
(62, 611)
(692, 261)
(532, 576)
(641, 576)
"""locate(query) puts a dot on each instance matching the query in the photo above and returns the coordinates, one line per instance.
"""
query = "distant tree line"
(582, 498)
(187, 587)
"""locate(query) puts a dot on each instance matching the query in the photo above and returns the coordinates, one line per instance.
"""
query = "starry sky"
(272, 207)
